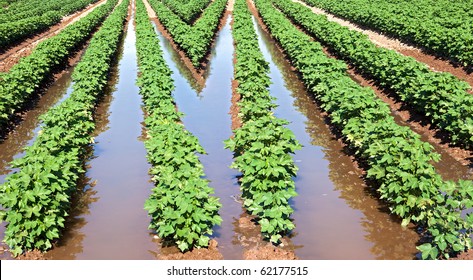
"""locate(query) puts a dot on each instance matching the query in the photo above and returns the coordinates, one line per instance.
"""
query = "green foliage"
(441, 97)
(448, 231)
(188, 11)
(194, 39)
(394, 156)
(443, 27)
(34, 16)
(262, 146)
(36, 198)
(18, 85)
(180, 205)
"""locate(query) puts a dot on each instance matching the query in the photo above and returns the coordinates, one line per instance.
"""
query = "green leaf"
(428, 252)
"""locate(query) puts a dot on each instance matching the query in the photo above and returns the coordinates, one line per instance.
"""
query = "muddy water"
(335, 215)
(207, 117)
(109, 221)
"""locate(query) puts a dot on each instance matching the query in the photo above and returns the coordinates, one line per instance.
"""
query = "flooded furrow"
(182, 69)
(109, 221)
(86, 194)
(26, 131)
(336, 217)
(207, 117)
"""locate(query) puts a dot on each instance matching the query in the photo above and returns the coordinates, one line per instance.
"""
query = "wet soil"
(468, 255)
(248, 235)
(32, 255)
(10, 57)
(269, 252)
(210, 253)
(435, 63)
(236, 97)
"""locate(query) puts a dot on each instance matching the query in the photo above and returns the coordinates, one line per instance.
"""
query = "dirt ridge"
(434, 63)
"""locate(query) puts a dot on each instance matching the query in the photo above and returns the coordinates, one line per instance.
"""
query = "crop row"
(447, 14)
(188, 11)
(37, 197)
(452, 42)
(395, 158)
(12, 7)
(439, 96)
(18, 85)
(180, 205)
(14, 31)
(20, 6)
(194, 39)
(35, 8)
(262, 145)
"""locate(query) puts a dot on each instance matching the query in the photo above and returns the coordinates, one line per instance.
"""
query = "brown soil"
(434, 63)
(32, 255)
(11, 57)
(234, 108)
(468, 255)
(269, 252)
(210, 253)
(248, 234)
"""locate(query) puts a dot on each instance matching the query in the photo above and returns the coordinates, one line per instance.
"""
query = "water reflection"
(113, 224)
(336, 217)
(197, 81)
(207, 117)
(71, 243)
(25, 133)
